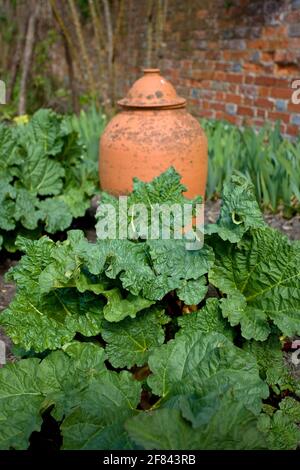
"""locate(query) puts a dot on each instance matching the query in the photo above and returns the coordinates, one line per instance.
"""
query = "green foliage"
(109, 350)
(168, 429)
(89, 125)
(261, 279)
(265, 157)
(131, 341)
(45, 179)
(72, 382)
(239, 211)
(281, 427)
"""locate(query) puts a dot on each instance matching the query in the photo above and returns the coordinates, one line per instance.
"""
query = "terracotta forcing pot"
(153, 132)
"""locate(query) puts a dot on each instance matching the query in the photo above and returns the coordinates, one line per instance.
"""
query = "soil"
(290, 227)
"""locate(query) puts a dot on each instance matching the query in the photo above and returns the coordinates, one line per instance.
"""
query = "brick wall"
(232, 59)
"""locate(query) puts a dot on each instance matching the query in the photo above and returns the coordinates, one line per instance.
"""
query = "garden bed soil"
(290, 227)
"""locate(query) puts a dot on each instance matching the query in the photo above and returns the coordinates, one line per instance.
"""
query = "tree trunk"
(110, 46)
(82, 47)
(65, 33)
(28, 52)
(149, 33)
(17, 55)
(100, 48)
(69, 60)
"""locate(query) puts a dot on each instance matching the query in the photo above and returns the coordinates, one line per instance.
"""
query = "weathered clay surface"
(153, 133)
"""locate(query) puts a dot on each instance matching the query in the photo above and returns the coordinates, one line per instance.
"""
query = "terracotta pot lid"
(152, 91)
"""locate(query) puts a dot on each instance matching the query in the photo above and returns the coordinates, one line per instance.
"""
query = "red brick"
(245, 111)
(286, 70)
(283, 82)
(294, 108)
(185, 63)
(256, 44)
(266, 56)
(233, 56)
(292, 130)
(285, 117)
(230, 118)
(206, 113)
(201, 74)
(265, 81)
(260, 113)
(286, 57)
(205, 84)
(218, 106)
(222, 66)
(220, 76)
(258, 122)
(283, 93)
(264, 91)
(250, 79)
(248, 101)
(274, 31)
(232, 98)
(219, 96)
(264, 103)
(207, 105)
(255, 68)
(213, 45)
(202, 14)
(213, 55)
(234, 78)
(193, 102)
(275, 44)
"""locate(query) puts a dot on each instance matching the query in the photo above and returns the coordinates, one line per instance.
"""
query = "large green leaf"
(7, 206)
(193, 291)
(130, 341)
(239, 211)
(40, 174)
(9, 155)
(148, 270)
(56, 214)
(38, 256)
(71, 381)
(198, 362)
(97, 423)
(232, 427)
(52, 320)
(272, 366)
(74, 198)
(207, 320)
(118, 307)
(20, 402)
(25, 210)
(261, 278)
(43, 129)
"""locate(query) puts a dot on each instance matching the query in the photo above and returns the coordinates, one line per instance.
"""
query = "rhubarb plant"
(45, 178)
(145, 344)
